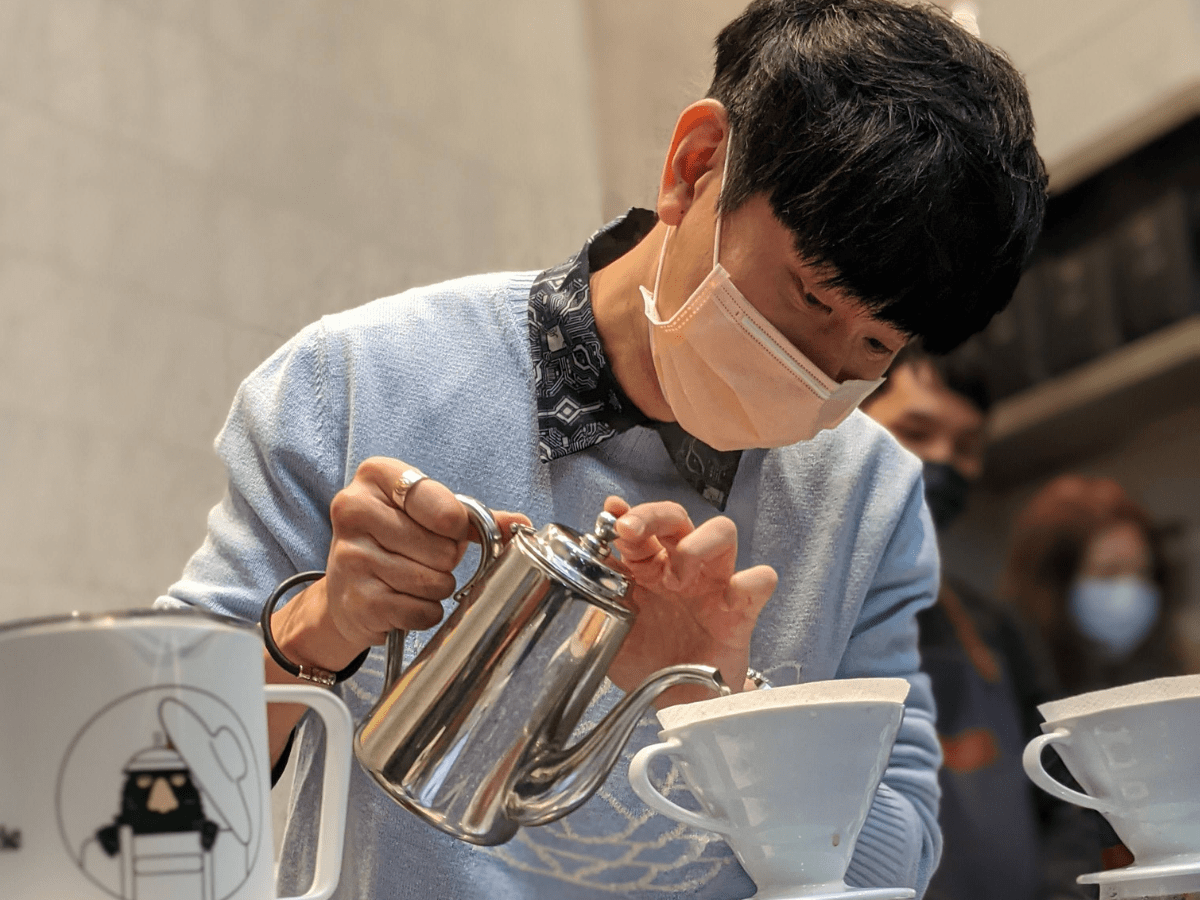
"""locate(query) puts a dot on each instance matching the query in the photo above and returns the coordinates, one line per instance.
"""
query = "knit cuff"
(889, 846)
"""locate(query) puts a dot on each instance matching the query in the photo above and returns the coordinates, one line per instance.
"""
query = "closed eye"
(878, 347)
(813, 303)
(807, 297)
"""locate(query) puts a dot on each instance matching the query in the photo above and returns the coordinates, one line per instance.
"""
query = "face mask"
(730, 378)
(945, 492)
(1116, 613)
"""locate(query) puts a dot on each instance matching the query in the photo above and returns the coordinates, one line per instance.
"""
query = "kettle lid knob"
(604, 533)
(580, 560)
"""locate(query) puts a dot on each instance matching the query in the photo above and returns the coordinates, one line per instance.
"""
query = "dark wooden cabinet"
(1104, 329)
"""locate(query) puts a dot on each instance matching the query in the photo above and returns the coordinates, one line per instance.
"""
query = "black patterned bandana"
(579, 400)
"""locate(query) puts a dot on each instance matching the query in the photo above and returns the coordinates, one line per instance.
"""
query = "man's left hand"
(692, 605)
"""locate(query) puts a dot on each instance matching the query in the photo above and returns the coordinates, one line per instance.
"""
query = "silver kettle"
(472, 736)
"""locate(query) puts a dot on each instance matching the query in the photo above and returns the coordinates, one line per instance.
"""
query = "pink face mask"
(731, 378)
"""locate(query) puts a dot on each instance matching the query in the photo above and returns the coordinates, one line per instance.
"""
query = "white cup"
(1135, 751)
(785, 775)
(134, 760)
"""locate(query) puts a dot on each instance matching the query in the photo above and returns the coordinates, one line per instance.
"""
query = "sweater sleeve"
(900, 843)
(283, 470)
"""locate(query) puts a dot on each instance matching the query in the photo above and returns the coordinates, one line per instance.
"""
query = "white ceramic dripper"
(785, 775)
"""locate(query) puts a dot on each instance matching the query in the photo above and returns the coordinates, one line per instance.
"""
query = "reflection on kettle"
(472, 736)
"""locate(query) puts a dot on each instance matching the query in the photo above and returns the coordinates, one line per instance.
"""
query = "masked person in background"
(1086, 567)
(862, 172)
(1004, 839)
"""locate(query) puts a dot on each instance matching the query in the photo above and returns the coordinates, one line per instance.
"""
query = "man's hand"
(390, 566)
(692, 605)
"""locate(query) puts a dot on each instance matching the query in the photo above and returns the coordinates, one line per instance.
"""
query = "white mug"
(134, 760)
(785, 775)
(1134, 751)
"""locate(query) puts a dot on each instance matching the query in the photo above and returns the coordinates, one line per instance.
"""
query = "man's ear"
(697, 150)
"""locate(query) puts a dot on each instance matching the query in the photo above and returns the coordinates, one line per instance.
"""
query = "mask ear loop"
(662, 255)
(662, 251)
(717, 235)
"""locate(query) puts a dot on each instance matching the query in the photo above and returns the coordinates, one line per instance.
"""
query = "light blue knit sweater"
(441, 378)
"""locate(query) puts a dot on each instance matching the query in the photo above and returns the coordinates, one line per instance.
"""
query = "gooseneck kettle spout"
(561, 781)
(472, 735)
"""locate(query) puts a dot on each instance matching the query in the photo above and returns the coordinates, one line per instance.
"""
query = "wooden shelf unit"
(1094, 406)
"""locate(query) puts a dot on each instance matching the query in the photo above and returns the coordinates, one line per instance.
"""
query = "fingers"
(359, 512)
(708, 552)
(506, 520)
(645, 531)
(428, 504)
(395, 547)
(665, 520)
(368, 610)
(658, 541)
(372, 590)
(752, 588)
(616, 506)
(364, 558)
(379, 591)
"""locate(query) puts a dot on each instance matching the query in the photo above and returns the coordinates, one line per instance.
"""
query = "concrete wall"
(649, 60)
(187, 182)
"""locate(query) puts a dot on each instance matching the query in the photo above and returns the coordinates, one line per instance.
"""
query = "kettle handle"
(491, 543)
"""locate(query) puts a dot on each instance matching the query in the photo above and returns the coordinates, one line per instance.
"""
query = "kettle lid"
(578, 559)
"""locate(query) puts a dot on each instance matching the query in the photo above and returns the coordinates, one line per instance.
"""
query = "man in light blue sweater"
(862, 172)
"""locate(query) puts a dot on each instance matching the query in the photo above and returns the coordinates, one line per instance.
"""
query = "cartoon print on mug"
(169, 803)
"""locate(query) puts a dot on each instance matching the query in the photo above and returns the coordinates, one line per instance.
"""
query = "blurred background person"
(1086, 566)
(1003, 838)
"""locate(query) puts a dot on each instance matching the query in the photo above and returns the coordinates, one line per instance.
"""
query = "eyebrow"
(921, 417)
(915, 417)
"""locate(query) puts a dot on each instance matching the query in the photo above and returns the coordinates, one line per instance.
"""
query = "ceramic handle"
(639, 780)
(335, 786)
(1032, 761)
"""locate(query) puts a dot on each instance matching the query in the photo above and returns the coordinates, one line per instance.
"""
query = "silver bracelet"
(759, 679)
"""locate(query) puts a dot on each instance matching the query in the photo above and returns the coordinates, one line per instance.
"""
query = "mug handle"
(335, 786)
(639, 780)
(1031, 759)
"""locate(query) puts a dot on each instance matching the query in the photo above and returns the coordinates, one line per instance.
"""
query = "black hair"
(958, 372)
(896, 146)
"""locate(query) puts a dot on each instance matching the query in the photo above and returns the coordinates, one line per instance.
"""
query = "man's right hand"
(390, 562)
(390, 565)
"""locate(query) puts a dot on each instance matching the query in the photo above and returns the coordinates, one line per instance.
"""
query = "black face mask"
(945, 492)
